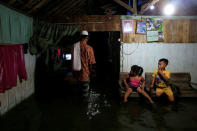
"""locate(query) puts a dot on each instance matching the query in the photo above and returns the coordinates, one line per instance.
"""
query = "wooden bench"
(181, 81)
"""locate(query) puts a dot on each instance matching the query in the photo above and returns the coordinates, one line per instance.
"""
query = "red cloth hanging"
(21, 64)
(59, 51)
(12, 63)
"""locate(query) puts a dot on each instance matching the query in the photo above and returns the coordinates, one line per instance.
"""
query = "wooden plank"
(98, 18)
(124, 5)
(193, 31)
(191, 93)
(67, 8)
(135, 7)
(49, 7)
(77, 10)
(185, 31)
(36, 7)
(180, 79)
(147, 6)
(97, 22)
(171, 28)
(188, 95)
(174, 31)
(58, 7)
(167, 31)
(132, 95)
(180, 34)
(76, 5)
(179, 76)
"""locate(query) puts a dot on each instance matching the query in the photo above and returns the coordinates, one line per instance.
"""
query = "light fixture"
(169, 9)
(152, 7)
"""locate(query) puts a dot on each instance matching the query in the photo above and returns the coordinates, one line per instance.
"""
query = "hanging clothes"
(12, 64)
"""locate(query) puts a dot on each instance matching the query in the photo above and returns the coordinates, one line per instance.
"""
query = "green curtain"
(46, 38)
(15, 28)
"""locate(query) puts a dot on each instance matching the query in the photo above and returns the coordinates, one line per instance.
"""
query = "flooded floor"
(101, 111)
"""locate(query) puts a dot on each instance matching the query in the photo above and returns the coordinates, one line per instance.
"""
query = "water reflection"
(135, 116)
(99, 112)
(95, 103)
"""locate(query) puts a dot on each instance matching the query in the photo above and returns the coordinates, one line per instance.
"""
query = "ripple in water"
(95, 103)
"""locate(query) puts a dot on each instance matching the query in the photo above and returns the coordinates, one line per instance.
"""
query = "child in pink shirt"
(136, 83)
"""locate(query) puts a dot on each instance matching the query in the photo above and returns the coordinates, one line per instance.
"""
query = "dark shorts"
(133, 88)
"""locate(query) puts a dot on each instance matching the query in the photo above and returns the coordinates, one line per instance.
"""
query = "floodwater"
(101, 111)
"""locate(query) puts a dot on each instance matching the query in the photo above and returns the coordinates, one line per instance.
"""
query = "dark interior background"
(107, 68)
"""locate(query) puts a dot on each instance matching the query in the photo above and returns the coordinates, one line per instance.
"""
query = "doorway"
(107, 54)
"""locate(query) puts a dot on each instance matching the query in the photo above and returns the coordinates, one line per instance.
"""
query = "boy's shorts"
(166, 90)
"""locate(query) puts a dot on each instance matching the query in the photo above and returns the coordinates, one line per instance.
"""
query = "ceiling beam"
(49, 6)
(76, 4)
(36, 7)
(12, 2)
(56, 8)
(74, 12)
(125, 5)
(135, 7)
(147, 6)
(27, 4)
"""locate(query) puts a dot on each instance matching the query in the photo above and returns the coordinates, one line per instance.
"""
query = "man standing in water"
(84, 65)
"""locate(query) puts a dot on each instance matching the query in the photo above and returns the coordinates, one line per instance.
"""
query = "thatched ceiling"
(63, 9)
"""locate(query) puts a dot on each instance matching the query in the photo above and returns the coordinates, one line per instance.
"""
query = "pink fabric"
(12, 63)
(134, 82)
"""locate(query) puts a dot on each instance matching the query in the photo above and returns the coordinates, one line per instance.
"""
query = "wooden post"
(124, 5)
(135, 7)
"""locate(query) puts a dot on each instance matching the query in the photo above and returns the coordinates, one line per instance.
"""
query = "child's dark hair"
(140, 70)
(164, 60)
(137, 70)
(134, 69)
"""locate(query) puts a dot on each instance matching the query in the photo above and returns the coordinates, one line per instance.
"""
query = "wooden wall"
(179, 30)
(175, 31)
(96, 22)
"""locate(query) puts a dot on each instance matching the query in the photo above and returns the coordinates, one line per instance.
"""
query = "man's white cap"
(84, 32)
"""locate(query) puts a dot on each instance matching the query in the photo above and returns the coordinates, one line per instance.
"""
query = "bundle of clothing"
(12, 64)
(76, 57)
